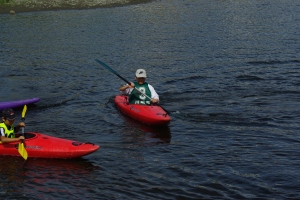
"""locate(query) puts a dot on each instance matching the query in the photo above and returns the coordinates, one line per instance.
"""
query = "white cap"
(140, 73)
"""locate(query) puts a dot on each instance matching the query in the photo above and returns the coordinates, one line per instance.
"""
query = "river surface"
(228, 72)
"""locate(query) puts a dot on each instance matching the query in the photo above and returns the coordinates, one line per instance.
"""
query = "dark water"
(228, 71)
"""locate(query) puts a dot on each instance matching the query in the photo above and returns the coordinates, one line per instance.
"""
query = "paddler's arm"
(124, 87)
(154, 95)
(5, 139)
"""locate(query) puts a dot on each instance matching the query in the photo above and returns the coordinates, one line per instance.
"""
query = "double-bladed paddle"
(114, 72)
(21, 147)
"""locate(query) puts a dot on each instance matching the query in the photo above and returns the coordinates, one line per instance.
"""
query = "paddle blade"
(24, 111)
(22, 150)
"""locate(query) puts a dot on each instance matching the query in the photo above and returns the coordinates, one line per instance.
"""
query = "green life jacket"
(8, 133)
(137, 98)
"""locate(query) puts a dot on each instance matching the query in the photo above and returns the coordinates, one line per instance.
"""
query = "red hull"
(148, 114)
(40, 145)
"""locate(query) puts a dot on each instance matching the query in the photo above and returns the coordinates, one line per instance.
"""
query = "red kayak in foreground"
(148, 114)
(40, 145)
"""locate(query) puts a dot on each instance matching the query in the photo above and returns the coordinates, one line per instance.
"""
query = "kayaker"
(135, 97)
(7, 129)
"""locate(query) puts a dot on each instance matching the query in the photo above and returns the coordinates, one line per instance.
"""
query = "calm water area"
(228, 72)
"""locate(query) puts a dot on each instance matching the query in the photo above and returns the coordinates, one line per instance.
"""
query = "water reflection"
(66, 165)
(57, 166)
(149, 135)
(44, 175)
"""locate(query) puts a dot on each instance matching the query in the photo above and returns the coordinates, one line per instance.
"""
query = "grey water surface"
(228, 71)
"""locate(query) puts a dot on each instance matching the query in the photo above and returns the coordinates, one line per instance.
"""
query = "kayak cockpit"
(27, 135)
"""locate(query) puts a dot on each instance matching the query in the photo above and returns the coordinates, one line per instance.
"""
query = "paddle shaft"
(113, 71)
(23, 131)
(110, 69)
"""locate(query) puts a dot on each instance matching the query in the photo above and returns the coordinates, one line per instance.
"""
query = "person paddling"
(7, 129)
(135, 96)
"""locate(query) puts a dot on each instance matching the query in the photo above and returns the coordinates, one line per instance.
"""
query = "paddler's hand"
(21, 138)
(154, 101)
(131, 85)
(21, 124)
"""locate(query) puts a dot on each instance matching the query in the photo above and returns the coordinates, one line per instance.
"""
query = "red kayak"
(40, 145)
(148, 114)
